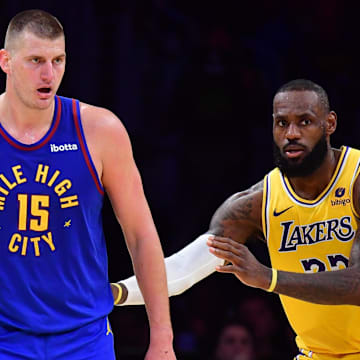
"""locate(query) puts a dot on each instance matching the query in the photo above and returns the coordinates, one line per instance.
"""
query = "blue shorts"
(94, 341)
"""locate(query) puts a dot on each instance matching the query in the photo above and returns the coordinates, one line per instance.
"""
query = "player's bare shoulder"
(98, 121)
(239, 217)
(105, 135)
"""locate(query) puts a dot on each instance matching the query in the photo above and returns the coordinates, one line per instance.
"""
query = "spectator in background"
(235, 342)
(272, 334)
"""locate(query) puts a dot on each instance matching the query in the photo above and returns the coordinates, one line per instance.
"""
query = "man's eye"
(35, 60)
(306, 122)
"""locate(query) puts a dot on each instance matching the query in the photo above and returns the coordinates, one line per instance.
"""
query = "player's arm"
(110, 147)
(328, 287)
(239, 217)
(331, 288)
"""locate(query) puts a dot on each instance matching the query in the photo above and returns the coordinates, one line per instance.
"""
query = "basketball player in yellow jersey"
(307, 211)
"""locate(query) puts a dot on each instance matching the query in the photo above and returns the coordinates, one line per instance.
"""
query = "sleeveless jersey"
(307, 236)
(53, 260)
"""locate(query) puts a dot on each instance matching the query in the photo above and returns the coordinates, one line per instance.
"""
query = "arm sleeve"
(183, 269)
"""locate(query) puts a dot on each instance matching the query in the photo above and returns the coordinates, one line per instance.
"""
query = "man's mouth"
(44, 90)
(293, 151)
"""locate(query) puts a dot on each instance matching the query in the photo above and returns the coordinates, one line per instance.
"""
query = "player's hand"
(240, 262)
(160, 354)
(161, 347)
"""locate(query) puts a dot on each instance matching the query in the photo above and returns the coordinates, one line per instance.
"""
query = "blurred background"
(193, 82)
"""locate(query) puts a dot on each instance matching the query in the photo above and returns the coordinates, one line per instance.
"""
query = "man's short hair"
(38, 22)
(306, 85)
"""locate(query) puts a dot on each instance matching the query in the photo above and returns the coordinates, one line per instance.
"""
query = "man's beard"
(310, 163)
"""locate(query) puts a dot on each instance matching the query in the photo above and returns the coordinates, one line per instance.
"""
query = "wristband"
(119, 293)
(273, 280)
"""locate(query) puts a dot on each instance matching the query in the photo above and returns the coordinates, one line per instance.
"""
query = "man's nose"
(293, 132)
(47, 71)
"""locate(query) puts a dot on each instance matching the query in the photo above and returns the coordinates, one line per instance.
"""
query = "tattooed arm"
(239, 217)
(331, 288)
(328, 287)
(237, 220)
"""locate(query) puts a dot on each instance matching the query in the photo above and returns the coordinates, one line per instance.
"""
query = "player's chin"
(43, 104)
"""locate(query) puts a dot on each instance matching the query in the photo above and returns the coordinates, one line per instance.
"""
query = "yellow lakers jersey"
(308, 236)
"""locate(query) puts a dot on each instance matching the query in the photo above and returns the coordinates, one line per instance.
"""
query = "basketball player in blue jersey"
(57, 158)
(307, 210)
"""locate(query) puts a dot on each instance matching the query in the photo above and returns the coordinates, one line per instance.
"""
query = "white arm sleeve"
(183, 269)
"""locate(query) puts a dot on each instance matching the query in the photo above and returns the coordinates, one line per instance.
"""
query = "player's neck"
(311, 186)
(26, 124)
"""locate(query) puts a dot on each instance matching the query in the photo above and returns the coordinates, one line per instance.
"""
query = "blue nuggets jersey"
(53, 260)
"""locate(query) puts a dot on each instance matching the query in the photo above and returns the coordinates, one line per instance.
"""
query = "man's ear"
(331, 123)
(4, 61)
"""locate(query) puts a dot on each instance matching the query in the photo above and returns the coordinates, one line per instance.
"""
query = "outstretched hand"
(240, 262)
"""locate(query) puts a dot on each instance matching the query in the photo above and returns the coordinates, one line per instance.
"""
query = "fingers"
(225, 248)
(225, 255)
(239, 261)
(228, 250)
(223, 243)
(230, 269)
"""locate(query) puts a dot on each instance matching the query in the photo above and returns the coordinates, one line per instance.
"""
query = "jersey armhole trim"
(356, 174)
(265, 205)
(81, 137)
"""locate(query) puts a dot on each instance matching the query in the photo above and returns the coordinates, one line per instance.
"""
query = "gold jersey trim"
(337, 173)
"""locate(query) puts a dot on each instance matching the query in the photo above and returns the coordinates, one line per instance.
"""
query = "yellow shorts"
(309, 355)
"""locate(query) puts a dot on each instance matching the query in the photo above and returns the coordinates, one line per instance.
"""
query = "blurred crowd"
(193, 83)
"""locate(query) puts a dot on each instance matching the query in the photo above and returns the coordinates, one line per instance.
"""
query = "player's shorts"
(309, 355)
(93, 341)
